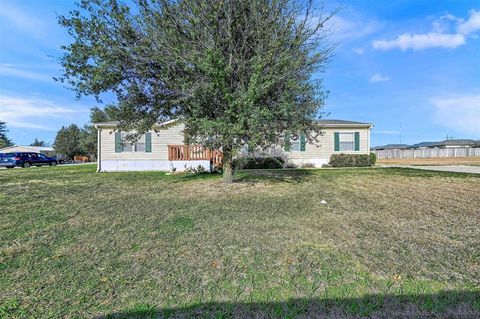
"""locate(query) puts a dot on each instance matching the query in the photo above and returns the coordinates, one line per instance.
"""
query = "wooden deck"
(195, 153)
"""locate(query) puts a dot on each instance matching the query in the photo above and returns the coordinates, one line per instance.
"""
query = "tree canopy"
(38, 142)
(238, 72)
(4, 140)
(68, 141)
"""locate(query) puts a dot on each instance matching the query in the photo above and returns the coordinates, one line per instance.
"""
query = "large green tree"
(4, 140)
(238, 72)
(68, 141)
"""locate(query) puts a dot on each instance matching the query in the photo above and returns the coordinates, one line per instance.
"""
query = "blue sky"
(412, 68)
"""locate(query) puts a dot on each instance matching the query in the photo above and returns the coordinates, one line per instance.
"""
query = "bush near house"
(260, 163)
(373, 158)
(350, 160)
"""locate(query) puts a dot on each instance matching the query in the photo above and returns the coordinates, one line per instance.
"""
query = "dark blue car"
(26, 159)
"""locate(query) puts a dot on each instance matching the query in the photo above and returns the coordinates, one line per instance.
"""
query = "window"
(295, 144)
(128, 146)
(347, 142)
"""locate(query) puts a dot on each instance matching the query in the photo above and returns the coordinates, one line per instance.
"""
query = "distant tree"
(68, 141)
(4, 140)
(238, 72)
(38, 142)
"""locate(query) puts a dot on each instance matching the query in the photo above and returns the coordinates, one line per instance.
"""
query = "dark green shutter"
(337, 141)
(118, 142)
(287, 142)
(148, 142)
(357, 141)
(302, 142)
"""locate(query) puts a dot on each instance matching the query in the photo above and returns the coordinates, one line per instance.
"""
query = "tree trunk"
(227, 165)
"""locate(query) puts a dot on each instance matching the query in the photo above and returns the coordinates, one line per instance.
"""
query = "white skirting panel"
(318, 162)
(150, 165)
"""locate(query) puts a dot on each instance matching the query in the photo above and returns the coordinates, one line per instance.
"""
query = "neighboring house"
(450, 143)
(424, 145)
(163, 148)
(391, 147)
(47, 151)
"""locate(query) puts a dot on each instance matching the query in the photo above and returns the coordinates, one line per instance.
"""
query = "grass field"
(389, 243)
(432, 161)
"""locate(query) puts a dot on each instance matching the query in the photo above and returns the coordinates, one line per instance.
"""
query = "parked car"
(10, 160)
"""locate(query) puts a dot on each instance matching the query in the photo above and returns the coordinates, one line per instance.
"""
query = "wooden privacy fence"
(194, 153)
(428, 153)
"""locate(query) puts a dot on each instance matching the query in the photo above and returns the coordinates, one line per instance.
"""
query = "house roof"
(457, 141)
(36, 149)
(391, 146)
(116, 123)
(326, 123)
(425, 144)
(340, 122)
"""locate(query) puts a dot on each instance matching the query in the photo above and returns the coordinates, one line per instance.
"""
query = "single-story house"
(391, 147)
(163, 148)
(456, 142)
(47, 151)
(449, 143)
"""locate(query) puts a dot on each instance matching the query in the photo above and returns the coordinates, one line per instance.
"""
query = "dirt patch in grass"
(387, 243)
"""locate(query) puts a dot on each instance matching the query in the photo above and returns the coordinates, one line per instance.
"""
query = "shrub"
(307, 165)
(195, 170)
(290, 165)
(350, 160)
(373, 158)
(262, 163)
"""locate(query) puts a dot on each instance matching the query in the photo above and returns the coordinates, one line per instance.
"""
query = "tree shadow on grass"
(273, 175)
(445, 304)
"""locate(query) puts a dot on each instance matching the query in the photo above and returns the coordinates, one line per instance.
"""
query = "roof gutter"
(346, 125)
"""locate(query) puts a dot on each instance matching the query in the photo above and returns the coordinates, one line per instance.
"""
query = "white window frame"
(352, 134)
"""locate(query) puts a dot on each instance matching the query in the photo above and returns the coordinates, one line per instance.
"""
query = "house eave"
(115, 125)
(346, 125)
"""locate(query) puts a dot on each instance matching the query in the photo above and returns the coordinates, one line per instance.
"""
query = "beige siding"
(325, 146)
(160, 139)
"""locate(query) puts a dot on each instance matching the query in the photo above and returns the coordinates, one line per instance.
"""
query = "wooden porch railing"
(194, 153)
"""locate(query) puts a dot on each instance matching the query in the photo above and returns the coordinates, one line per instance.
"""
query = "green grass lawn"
(388, 243)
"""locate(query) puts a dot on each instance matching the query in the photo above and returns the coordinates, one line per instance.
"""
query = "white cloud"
(421, 41)
(344, 29)
(14, 71)
(471, 25)
(448, 32)
(359, 50)
(377, 77)
(460, 113)
(351, 27)
(22, 112)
